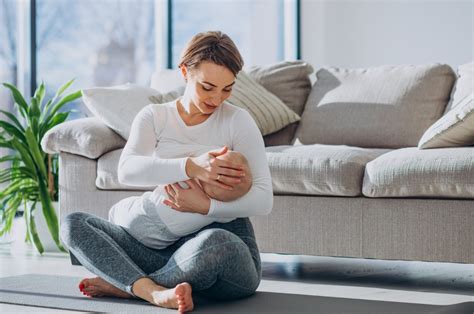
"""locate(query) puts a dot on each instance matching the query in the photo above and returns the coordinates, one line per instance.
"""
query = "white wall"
(361, 33)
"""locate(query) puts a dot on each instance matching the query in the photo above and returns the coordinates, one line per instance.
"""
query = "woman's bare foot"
(183, 294)
(98, 287)
(179, 297)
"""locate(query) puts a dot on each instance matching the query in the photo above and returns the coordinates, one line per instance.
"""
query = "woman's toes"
(183, 293)
(83, 283)
(91, 291)
(88, 288)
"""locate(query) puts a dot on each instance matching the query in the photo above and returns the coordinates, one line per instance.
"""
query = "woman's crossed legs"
(220, 261)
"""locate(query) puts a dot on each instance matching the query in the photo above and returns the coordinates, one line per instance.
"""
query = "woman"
(220, 261)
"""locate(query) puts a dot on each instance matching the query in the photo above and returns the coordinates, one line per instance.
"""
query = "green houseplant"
(32, 174)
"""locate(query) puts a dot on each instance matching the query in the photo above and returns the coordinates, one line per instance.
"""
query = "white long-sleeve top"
(160, 143)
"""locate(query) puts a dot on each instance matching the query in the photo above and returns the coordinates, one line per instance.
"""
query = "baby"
(157, 225)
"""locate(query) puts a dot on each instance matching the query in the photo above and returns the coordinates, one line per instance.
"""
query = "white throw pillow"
(464, 85)
(455, 128)
(118, 105)
(268, 111)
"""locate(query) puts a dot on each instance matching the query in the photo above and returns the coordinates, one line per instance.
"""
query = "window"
(109, 42)
(100, 43)
(8, 50)
(256, 26)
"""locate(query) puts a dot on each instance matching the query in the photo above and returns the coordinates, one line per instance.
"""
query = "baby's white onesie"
(155, 155)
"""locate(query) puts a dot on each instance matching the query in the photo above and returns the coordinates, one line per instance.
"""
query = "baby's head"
(240, 189)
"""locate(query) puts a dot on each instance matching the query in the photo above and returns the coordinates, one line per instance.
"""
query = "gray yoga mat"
(61, 292)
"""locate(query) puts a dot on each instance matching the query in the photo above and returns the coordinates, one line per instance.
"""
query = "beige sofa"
(348, 179)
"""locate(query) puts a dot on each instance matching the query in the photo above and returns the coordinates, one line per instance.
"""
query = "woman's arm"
(248, 140)
(137, 166)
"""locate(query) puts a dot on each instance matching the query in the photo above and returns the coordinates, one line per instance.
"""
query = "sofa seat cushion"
(319, 169)
(407, 172)
(107, 178)
(305, 169)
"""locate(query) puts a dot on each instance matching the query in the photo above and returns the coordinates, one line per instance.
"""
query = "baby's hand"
(191, 200)
(214, 171)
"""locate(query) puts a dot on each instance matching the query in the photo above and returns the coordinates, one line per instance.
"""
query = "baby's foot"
(98, 287)
(180, 298)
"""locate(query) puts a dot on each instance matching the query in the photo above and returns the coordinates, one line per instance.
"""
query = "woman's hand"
(207, 168)
(191, 200)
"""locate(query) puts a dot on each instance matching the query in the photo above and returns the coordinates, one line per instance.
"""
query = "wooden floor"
(396, 281)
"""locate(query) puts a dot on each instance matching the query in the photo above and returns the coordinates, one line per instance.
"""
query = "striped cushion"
(269, 112)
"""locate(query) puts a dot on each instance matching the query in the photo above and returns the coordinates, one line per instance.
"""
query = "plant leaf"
(23, 105)
(24, 153)
(44, 111)
(62, 102)
(28, 231)
(8, 158)
(14, 119)
(59, 118)
(39, 94)
(33, 231)
(12, 130)
(11, 208)
(34, 115)
(50, 214)
(59, 93)
(64, 87)
(36, 153)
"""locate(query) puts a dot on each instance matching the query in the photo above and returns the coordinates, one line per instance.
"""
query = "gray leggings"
(221, 261)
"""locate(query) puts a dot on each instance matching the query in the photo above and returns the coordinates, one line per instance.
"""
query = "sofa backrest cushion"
(386, 106)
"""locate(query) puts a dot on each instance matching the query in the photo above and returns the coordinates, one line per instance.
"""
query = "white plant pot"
(42, 228)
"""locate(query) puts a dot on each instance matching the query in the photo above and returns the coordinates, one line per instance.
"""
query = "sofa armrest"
(88, 137)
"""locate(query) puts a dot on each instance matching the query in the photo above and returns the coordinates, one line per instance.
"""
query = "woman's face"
(208, 85)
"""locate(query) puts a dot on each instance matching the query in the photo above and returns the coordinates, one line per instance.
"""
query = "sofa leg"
(74, 260)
